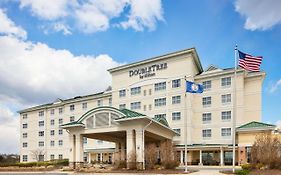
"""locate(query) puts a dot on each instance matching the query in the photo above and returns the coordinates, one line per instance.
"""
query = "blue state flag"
(192, 87)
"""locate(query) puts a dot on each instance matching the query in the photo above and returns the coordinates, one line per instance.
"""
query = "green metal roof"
(130, 114)
(254, 125)
(161, 120)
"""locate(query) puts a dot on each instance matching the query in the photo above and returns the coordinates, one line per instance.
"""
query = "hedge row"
(63, 162)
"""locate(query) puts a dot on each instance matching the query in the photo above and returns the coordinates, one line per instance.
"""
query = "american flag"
(249, 62)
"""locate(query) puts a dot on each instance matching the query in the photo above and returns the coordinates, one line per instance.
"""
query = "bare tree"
(37, 154)
(151, 155)
(132, 162)
(167, 155)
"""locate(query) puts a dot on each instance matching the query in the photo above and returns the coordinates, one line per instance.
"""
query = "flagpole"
(234, 110)
(185, 134)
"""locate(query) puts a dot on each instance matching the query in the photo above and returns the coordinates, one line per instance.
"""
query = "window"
(84, 106)
(122, 106)
(60, 121)
(24, 125)
(60, 110)
(160, 102)
(60, 142)
(41, 113)
(150, 91)
(24, 116)
(110, 102)
(41, 144)
(135, 90)
(71, 118)
(226, 82)
(24, 135)
(52, 132)
(226, 132)
(159, 86)
(135, 105)
(24, 158)
(41, 133)
(52, 156)
(206, 101)
(52, 112)
(207, 85)
(52, 143)
(24, 144)
(176, 116)
(99, 102)
(41, 158)
(60, 156)
(122, 93)
(60, 132)
(226, 99)
(150, 107)
(144, 92)
(206, 117)
(178, 131)
(206, 133)
(144, 107)
(52, 122)
(176, 83)
(71, 107)
(176, 99)
(160, 116)
(85, 140)
(226, 115)
(41, 123)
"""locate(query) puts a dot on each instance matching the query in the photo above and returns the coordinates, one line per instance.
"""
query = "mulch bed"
(265, 172)
(155, 171)
(11, 168)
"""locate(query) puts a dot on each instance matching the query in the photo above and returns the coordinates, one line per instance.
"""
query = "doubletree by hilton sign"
(148, 71)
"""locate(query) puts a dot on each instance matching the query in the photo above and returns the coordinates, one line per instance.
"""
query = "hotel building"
(147, 102)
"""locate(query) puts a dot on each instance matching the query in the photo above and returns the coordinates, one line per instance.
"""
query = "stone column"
(122, 151)
(140, 148)
(89, 157)
(131, 148)
(101, 157)
(200, 156)
(79, 150)
(181, 157)
(221, 157)
(72, 151)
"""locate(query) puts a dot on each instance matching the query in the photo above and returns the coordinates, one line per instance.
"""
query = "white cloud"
(144, 13)
(278, 124)
(260, 14)
(90, 16)
(275, 86)
(9, 130)
(8, 27)
(56, 27)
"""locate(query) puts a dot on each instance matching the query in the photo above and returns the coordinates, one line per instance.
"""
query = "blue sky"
(37, 40)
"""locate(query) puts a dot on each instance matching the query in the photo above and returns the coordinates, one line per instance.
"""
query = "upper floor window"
(41, 123)
(160, 102)
(60, 131)
(176, 83)
(41, 113)
(24, 135)
(225, 132)
(135, 90)
(206, 133)
(41, 133)
(207, 85)
(176, 99)
(144, 92)
(24, 116)
(71, 118)
(225, 99)
(60, 142)
(110, 102)
(60, 110)
(122, 106)
(52, 122)
(99, 102)
(52, 111)
(24, 144)
(176, 116)
(177, 130)
(84, 105)
(135, 105)
(122, 93)
(24, 125)
(206, 117)
(160, 86)
(52, 143)
(52, 132)
(160, 116)
(71, 107)
(226, 82)
(206, 101)
(41, 144)
(226, 115)
(60, 121)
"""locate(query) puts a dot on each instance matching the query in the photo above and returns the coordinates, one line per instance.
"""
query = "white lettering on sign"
(148, 71)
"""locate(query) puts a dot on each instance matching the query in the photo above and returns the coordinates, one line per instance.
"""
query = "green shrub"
(172, 164)
(247, 166)
(242, 172)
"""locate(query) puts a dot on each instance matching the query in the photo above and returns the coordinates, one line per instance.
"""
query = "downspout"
(143, 129)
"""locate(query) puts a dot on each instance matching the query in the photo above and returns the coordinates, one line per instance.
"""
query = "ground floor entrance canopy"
(129, 130)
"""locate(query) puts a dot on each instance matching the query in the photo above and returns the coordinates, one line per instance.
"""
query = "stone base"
(76, 165)
(200, 164)
(139, 165)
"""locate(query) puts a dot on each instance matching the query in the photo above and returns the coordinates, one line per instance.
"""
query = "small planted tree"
(167, 155)
(150, 155)
(38, 154)
(267, 150)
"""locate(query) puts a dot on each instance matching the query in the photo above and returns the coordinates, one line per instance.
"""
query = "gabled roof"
(161, 120)
(211, 67)
(256, 126)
